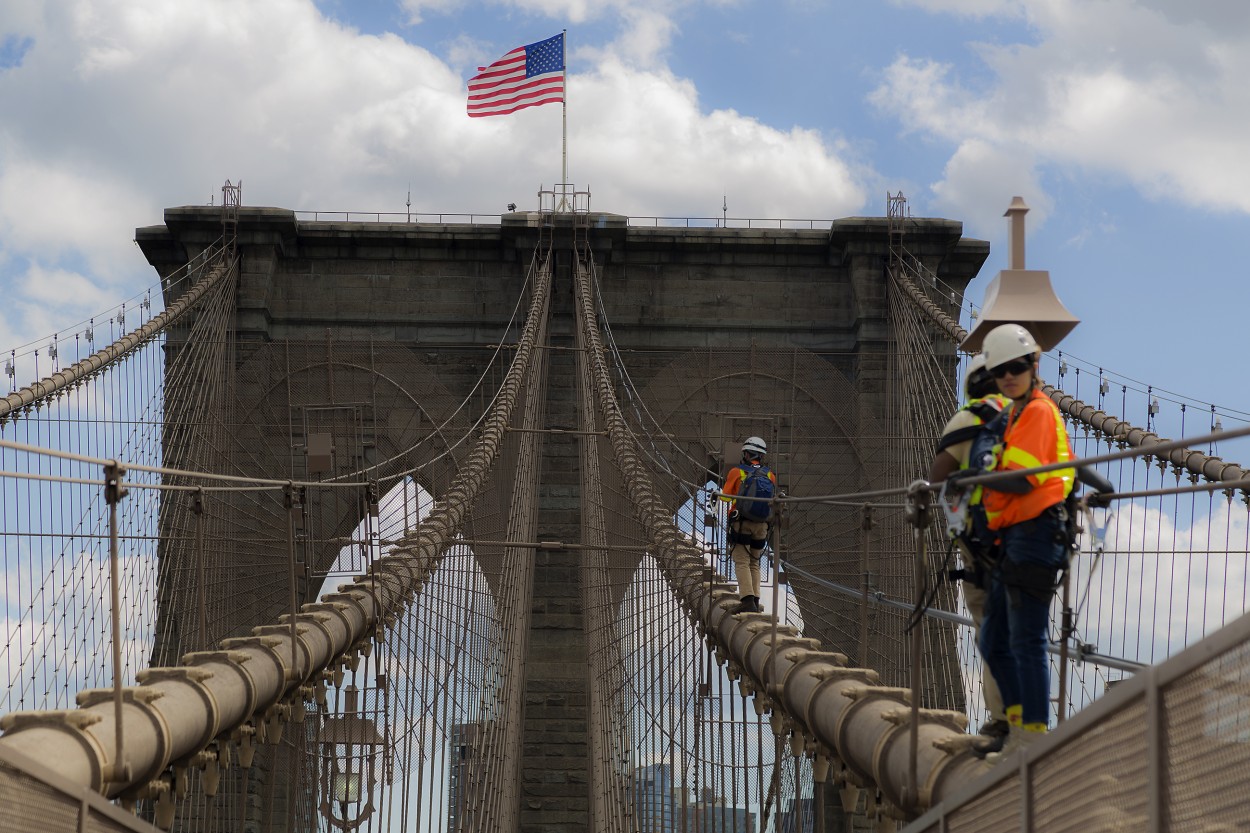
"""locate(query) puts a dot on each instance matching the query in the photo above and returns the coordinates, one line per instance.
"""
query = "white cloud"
(647, 35)
(22, 16)
(634, 12)
(58, 209)
(1221, 14)
(418, 10)
(43, 300)
(572, 11)
(69, 290)
(971, 8)
(1117, 88)
(682, 160)
(465, 54)
(1164, 582)
(124, 107)
(979, 181)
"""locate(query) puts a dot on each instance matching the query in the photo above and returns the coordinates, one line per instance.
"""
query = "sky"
(1120, 122)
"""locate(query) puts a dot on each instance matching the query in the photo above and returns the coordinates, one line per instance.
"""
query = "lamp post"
(349, 746)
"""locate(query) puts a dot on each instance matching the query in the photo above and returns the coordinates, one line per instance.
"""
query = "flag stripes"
(527, 76)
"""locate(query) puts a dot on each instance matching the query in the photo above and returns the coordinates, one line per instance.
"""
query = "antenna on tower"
(724, 207)
(409, 202)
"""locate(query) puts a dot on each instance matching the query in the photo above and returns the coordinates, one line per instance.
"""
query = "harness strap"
(959, 435)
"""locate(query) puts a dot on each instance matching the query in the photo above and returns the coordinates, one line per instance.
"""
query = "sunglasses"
(1015, 368)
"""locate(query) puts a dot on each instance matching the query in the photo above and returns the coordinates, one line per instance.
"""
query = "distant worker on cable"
(750, 487)
(1031, 520)
(976, 543)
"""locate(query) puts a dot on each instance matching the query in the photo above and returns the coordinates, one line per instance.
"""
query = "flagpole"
(564, 108)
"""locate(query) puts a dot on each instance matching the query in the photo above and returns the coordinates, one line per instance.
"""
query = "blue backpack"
(755, 493)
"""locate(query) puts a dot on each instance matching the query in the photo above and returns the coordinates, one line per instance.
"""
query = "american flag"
(527, 76)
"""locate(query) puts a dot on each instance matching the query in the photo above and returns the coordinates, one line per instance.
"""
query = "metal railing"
(1167, 749)
(37, 798)
(730, 222)
(416, 217)
(396, 217)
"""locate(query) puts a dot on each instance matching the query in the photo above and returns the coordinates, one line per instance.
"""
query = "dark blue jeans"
(1016, 627)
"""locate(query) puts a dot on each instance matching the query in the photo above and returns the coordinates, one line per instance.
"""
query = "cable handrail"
(956, 332)
(798, 700)
(878, 597)
(1241, 481)
(1104, 375)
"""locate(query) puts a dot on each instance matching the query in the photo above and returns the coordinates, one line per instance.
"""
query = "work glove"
(1099, 500)
(955, 479)
(1095, 480)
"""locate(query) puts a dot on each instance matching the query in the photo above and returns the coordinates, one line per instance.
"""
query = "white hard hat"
(975, 364)
(1006, 342)
(754, 446)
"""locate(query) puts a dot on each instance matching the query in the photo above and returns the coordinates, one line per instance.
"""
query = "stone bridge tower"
(364, 334)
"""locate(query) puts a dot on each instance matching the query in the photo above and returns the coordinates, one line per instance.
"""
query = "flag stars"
(544, 56)
(527, 76)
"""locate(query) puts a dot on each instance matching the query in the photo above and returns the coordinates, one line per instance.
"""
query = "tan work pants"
(975, 598)
(746, 560)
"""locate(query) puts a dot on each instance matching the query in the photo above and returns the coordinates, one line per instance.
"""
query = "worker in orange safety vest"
(750, 487)
(1029, 516)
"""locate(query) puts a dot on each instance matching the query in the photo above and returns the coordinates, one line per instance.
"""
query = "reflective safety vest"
(734, 480)
(1035, 436)
(965, 426)
(966, 431)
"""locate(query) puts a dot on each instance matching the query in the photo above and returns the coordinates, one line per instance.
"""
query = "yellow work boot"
(1018, 739)
(991, 737)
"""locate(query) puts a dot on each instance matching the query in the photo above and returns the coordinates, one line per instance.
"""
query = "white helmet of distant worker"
(973, 373)
(754, 447)
(1006, 342)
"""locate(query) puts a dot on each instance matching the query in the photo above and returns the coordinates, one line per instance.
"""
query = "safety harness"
(734, 533)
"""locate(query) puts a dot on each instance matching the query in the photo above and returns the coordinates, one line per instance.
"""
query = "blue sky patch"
(13, 49)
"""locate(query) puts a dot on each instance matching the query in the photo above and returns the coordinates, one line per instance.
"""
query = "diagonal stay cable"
(195, 704)
(854, 719)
